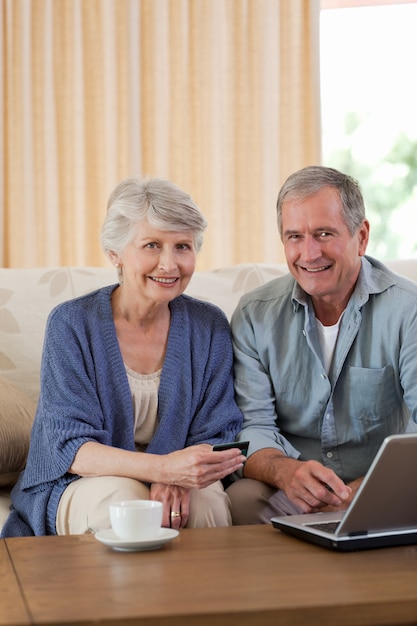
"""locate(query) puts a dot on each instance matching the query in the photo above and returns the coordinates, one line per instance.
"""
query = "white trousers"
(84, 505)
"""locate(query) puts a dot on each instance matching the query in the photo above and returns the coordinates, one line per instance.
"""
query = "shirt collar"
(373, 278)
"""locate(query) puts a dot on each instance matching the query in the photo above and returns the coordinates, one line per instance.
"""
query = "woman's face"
(158, 264)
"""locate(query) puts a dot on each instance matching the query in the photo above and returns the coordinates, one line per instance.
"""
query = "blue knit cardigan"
(85, 396)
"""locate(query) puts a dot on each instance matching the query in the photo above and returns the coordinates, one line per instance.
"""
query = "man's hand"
(311, 486)
(353, 486)
(308, 484)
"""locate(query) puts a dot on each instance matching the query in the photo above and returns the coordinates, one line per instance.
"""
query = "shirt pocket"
(372, 394)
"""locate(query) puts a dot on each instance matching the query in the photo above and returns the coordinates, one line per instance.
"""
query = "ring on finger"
(175, 514)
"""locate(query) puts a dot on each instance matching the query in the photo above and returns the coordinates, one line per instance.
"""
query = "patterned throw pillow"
(16, 417)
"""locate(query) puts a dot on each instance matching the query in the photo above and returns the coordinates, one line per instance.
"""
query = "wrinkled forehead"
(323, 206)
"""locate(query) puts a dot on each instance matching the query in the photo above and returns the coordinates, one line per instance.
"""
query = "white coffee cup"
(136, 520)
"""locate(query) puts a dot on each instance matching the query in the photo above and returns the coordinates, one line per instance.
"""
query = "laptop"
(383, 511)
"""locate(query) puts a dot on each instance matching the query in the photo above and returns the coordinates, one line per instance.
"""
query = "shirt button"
(323, 376)
(329, 455)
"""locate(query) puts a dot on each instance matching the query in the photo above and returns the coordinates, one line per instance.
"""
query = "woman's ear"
(114, 258)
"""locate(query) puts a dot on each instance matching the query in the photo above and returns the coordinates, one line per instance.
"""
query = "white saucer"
(109, 538)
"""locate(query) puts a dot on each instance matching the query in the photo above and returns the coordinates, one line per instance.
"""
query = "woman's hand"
(176, 501)
(198, 466)
(192, 468)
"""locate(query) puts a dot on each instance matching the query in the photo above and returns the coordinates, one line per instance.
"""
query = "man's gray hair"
(312, 179)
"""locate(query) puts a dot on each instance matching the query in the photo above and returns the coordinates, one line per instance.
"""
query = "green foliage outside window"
(389, 185)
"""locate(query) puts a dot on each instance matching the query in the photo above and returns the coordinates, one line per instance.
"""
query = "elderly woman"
(136, 383)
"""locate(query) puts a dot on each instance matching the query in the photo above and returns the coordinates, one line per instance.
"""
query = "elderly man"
(325, 358)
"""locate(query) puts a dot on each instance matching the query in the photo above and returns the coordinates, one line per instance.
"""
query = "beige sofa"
(26, 298)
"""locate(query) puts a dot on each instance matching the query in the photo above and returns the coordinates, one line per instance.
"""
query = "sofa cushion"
(225, 286)
(5, 502)
(26, 298)
(16, 417)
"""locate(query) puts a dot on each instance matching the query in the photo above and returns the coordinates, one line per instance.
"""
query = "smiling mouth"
(315, 270)
(164, 281)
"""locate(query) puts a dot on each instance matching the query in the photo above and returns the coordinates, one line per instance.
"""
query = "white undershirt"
(327, 339)
(144, 388)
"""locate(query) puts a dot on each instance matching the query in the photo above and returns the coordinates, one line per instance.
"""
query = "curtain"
(219, 96)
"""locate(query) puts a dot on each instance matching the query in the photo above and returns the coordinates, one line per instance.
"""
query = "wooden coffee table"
(240, 576)
(12, 607)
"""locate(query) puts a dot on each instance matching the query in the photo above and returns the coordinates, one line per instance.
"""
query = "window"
(369, 119)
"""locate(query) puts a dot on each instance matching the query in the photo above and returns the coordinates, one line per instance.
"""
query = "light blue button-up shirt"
(288, 400)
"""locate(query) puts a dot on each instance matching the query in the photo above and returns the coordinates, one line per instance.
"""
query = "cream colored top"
(144, 388)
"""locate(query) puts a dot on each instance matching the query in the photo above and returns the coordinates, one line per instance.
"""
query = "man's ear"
(363, 236)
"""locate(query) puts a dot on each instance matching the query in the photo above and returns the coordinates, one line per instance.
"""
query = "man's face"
(322, 255)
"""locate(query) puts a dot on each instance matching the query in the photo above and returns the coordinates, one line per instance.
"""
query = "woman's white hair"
(161, 202)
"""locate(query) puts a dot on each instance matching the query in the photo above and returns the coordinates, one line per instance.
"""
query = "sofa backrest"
(28, 295)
